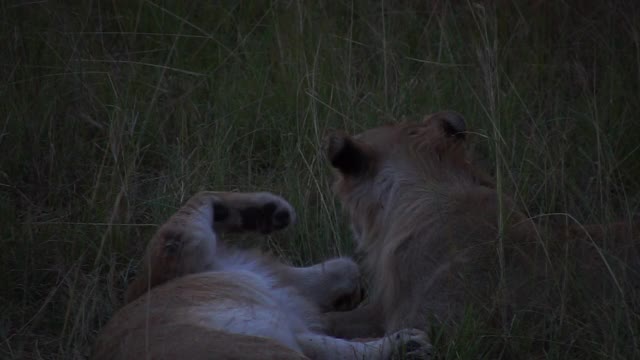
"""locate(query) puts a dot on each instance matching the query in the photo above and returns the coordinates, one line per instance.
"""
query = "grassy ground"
(113, 113)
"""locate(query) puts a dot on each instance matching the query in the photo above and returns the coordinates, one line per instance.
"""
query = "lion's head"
(379, 168)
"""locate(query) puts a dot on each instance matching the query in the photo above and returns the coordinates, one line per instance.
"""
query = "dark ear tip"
(333, 143)
(451, 130)
(345, 154)
(453, 123)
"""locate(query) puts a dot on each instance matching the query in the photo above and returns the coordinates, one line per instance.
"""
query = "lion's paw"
(269, 213)
(412, 344)
(262, 212)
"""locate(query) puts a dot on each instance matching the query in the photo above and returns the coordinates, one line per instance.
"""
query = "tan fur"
(196, 298)
(179, 249)
(436, 237)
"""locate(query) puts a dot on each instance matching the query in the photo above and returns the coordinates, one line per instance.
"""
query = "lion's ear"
(451, 123)
(346, 154)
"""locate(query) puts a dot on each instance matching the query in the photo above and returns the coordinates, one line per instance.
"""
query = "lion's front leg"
(332, 285)
(409, 343)
(365, 321)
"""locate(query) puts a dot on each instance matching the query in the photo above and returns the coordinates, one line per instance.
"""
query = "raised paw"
(268, 214)
(411, 344)
(256, 212)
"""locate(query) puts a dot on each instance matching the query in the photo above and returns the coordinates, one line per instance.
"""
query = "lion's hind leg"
(187, 242)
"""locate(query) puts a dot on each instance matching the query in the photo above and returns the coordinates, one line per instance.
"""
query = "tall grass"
(113, 113)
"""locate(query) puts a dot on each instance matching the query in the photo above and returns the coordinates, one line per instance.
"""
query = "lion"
(197, 298)
(437, 239)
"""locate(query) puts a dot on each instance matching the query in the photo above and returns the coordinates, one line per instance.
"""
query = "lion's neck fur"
(409, 204)
(404, 199)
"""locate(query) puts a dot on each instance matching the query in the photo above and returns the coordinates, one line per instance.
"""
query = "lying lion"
(437, 238)
(199, 299)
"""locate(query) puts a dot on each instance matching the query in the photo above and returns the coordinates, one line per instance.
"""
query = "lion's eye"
(413, 132)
